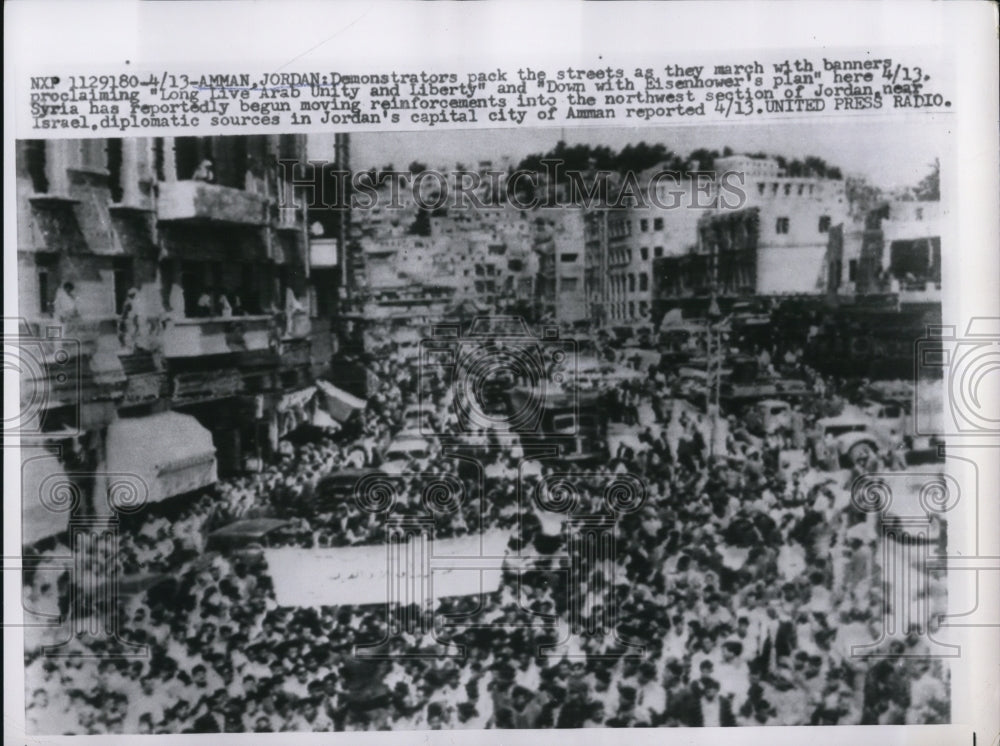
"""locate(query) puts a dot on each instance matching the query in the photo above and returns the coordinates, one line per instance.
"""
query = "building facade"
(165, 277)
(772, 242)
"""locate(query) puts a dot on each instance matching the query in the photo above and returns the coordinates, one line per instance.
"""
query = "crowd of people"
(736, 594)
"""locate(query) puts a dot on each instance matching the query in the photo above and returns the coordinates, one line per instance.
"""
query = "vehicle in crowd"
(768, 416)
(686, 338)
(692, 384)
(341, 484)
(891, 403)
(571, 421)
(417, 418)
(744, 380)
(849, 438)
(248, 534)
(404, 452)
(407, 343)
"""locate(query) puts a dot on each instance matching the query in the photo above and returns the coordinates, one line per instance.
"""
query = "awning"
(322, 418)
(47, 496)
(294, 409)
(339, 403)
(171, 452)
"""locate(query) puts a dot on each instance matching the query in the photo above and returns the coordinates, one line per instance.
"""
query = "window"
(34, 156)
(761, 186)
(158, 159)
(628, 254)
(643, 281)
(568, 258)
(631, 283)
(801, 189)
(658, 252)
(644, 225)
(46, 283)
(569, 284)
(643, 308)
(631, 309)
(122, 277)
(115, 170)
(658, 224)
(92, 155)
(919, 213)
(644, 253)
(788, 189)
(824, 223)
(186, 156)
(564, 422)
(781, 226)
(852, 270)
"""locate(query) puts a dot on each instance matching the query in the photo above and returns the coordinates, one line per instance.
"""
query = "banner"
(360, 575)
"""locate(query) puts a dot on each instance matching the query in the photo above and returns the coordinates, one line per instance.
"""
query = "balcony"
(919, 293)
(201, 201)
(65, 364)
(189, 338)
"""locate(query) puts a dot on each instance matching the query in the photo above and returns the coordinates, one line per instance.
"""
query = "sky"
(888, 153)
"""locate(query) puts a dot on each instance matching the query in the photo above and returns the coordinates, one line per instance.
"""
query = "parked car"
(403, 451)
(847, 438)
(340, 485)
(416, 418)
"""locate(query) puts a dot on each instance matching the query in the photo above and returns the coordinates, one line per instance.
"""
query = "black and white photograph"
(518, 429)
(579, 389)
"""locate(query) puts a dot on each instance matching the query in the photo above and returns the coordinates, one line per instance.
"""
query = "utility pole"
(715, 353)
(342, 159)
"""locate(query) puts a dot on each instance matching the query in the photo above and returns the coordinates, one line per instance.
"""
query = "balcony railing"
(202, 201)
(219, 335)
(223, 335)
(920, 292)
(68, 362)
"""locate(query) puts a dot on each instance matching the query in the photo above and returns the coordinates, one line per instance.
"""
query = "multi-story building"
(561, 255)
(774, 243)
(166, 282)
(623, 244)
(895, 249)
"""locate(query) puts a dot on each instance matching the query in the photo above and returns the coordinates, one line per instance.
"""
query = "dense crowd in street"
(739, 592)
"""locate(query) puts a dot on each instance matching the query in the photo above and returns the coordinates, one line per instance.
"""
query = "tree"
(862, 197)
(421, 225)
(703, 158)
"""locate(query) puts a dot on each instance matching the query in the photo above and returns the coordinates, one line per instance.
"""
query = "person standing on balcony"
(204, 172)
(176, 301)
(292, 307)
(225, 310)
(64, 307)
(128, 324)
(205, 304)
